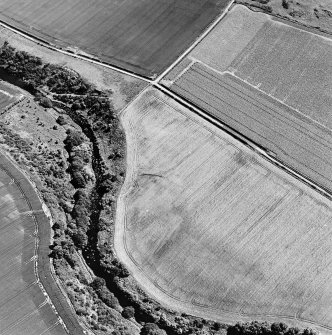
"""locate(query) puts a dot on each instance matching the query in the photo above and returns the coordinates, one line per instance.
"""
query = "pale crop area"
(288, 72)
(206, 225)
(24, 308)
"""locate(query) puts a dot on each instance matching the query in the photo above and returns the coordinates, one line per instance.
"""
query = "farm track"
(42, 234)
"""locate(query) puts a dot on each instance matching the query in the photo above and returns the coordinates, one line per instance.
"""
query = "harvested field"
(229, 37)
(210, 228)
(270, 82)
(297, 141)
(143, 36)
(292, 66)
(24, 308)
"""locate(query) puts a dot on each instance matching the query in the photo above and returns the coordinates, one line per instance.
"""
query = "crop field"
(7, 95)
(289, 64)
(297, 141)
(219, 48)
(270, 82)
(292, 66)
(24, 308)
(144, 36)
(204, 224)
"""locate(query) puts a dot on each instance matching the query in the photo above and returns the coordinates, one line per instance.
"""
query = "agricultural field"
(142, 36)
(292, 66)
(297, 141)
(8, 95)
(24, 307)
(270, 82)
(289, 64)
(208, 227)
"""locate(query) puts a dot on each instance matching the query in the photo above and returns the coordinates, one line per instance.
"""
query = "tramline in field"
(271, 83)
(206, 224)
(297, 141)
(143, 36)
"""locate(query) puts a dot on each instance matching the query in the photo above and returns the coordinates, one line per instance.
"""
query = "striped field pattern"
(25, 271)
(213, 226)
(145, 36)
(298, 141)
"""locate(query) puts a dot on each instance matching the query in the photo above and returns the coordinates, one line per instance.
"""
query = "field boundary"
(51, 46)
(43, 270)
(198, 40)
(243, 139)
(155, 83)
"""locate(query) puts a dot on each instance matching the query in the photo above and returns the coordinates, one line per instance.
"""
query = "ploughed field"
(270, 82)
(299, 142)
(207, 225)
(144, 36)
(24, 308)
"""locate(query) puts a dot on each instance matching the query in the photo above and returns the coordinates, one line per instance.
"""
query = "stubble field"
(297, 141)
(207, 226)
(291, 65)
(270, 82)
(143, 36)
